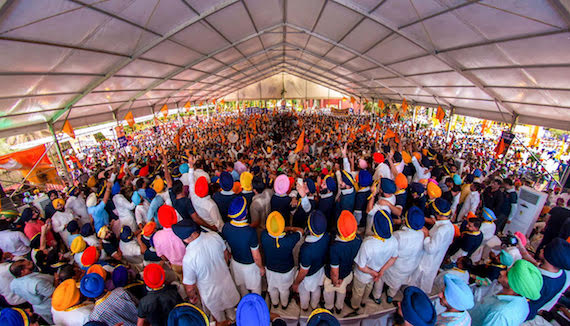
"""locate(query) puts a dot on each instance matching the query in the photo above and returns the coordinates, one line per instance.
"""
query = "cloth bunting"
(68, 129)
(130, 119)
(300, 142)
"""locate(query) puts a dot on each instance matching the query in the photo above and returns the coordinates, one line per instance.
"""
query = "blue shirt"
(361, 200)
(182, 205)
(242, 239)
(223, 202)
(327, 206)
(341, 255)
(282, 204)
(500, 310)
(100, 215)
(347, 202)
(280, 259)
(552, 284)
(313, 255)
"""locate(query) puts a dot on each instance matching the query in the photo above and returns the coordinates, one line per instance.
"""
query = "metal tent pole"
(59, 154)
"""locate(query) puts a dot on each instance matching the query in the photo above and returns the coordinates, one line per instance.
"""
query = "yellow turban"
(57, 202)
(103, 232)
(245, 180)
(406, 157)
(78, 245)
(275, 225)
(92, 182)
(65, 296)
(433, 190)
(157, 185)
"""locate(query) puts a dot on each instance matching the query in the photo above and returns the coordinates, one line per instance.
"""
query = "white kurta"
(59, 222)
(131, 251)
(204, 264)
(374, 253)
(125, 210)
(5, 279)
(205, 207)
(469, 205)
(421, 172)
(435, 247)
(77, 206)
(410, 251)
(488, 231)
(76, 315)
(141, 212)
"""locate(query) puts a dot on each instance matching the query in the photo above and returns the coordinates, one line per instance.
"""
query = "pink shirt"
(169, 245)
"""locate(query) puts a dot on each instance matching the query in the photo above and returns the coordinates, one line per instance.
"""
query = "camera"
(509, 239)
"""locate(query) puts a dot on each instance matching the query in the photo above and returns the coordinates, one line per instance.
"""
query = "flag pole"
(32, 170)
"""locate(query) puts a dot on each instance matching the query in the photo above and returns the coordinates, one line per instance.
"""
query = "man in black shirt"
(160, 299)
(493, 196)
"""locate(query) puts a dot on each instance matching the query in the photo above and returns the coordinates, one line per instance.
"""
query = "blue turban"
(26, 214)
(382, 226)
(126, 234)
(215, 179)
(426, 162)
(417, 309)
(252, 310)
(95, 323)
(311, 185)
(441, 207)
(238, 209)
(457, 293)
(120, 276)
(469, 178)
(322, 317)
(73, 191)
(506, 258)
(347, 178)
(150, 193)
(186, 314)
(457, 179)
(388, 186)
(477, 173)
(87, 230)
(14, 317)
(226, 181)
(72, 226)
(317, 223)
(488, 214)
(136, 198)
(183, 168)
(417, 188)
(331, 183)
(557, 253)
(415, 218)
(92, 285)
(184, 228)
(116, 188)
(364, 178)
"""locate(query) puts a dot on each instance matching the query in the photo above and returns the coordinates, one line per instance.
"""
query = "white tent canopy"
(294, 87)
(94, 60)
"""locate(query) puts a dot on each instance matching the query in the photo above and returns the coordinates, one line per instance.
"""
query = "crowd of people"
(242, 218)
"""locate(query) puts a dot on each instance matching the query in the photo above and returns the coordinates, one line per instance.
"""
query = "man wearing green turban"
(510, 307)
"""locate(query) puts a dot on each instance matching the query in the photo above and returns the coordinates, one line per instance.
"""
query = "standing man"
(311, 262)
(436, 243)
(224, 197)
(205, 270)
(509, 207)
(166, 244)
(373, 259)
(341, 257)
(278, 243)
(246, 263)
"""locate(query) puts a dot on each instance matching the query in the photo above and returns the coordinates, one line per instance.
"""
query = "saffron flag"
(130, 119)
(247, 139)
(440, 114)
(381, 104)
(296, 167)
(389, 134)
(404, 105)
(164, 110)
(352, 100)
(300, 142)
(534, 137)
(24, 161)
(68, 129)
(500, 148)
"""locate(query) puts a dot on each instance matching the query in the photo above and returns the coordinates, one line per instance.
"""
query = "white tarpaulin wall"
(295, 88)
(494, 59)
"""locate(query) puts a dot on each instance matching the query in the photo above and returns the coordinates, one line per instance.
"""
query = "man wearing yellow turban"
(67, 309)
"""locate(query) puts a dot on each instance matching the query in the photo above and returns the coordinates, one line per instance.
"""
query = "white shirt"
(92, 240)
(14, 242)
(141, 211)
(205, 207)
(125, 210)
(59, 221)
(261, 207)
(76, 315)
(410, 251)
(383, 171)
(421, 172)
(77, 206)
(470, 204)
(374, 253)
(5, 279)
(204, 264)
(131, 251)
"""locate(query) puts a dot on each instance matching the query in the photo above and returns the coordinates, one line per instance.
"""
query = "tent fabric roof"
(94, 60)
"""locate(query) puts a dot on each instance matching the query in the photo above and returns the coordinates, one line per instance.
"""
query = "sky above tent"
(93, 61)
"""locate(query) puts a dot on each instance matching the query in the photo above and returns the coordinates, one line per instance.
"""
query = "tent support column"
(414, 116)
(59, 154)
(451, 113)
(514, 122)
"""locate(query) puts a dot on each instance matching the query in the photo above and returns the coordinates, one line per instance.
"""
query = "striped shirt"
(115, 307)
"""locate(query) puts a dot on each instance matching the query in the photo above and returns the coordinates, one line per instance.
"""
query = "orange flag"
(396, 116)
(352, 100)
(296, 167)
(404, 105)
(377, 137)
(440, 115)
(336, 125)
(214, 101)
(300, 142)
(164, 110)
(130, 119)
(247, 139)
(381, 104)
(68, 129)
(389, 134)
(201, 103)
(187, 106)
(500, 148)
(534, 137)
